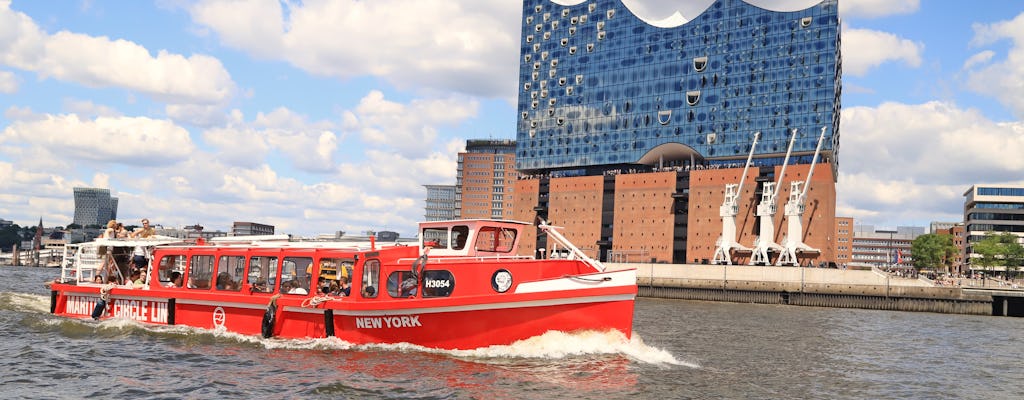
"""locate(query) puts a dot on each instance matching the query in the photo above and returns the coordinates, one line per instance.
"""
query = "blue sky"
(329, 115)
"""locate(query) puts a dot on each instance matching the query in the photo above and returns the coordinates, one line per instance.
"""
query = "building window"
(699, 63)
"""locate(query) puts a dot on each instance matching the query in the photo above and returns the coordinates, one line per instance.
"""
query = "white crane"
(793, 242)
(730, 207)
(765, 241)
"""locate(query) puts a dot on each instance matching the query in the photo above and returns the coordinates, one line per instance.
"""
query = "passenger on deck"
(111, 231)
(321, 283)
(345, 288)
(224, 282)
(260, 285)
(135, 279)
(175, 279)
(120, 231)
(139, 258)
(145, 231)
(292, 287)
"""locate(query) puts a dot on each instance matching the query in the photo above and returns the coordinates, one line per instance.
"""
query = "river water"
(680, 350)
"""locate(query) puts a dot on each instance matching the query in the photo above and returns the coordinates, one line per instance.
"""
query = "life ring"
(419, 265)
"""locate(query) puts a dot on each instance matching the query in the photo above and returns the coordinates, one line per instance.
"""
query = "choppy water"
(681, 350)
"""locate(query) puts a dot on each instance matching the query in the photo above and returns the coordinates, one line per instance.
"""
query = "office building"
(992, 209)
(884, 248)
(484, 179)
(94, 206)
(628, 130)
(440, 203)
(251, 228)
(844, 240)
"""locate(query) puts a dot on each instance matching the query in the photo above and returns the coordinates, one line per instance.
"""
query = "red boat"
(461, 286)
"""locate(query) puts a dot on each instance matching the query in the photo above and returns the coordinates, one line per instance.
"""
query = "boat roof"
(145, 242)
(472, 221)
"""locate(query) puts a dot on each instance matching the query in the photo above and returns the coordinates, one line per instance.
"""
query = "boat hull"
(460, 323)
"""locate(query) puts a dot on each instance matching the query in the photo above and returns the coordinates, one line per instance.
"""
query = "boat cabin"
(471, 237)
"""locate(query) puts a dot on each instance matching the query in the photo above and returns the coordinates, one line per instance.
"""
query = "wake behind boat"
(462, 286)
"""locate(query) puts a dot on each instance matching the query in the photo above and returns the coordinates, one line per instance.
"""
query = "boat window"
(459, 235)
(495, 239)
(200, 272)
(262, 273)
(230, 270)
(435, 237)
(371, 277)
(295, 275)
(170, 264)
(438, 283)
(402, 284)
(333, 269)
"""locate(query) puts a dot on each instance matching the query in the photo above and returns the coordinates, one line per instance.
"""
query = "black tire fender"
(419, 266)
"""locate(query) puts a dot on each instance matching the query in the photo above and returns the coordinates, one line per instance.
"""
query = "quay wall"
(818, 287)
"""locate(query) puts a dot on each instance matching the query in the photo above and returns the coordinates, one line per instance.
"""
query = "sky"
(320, 116)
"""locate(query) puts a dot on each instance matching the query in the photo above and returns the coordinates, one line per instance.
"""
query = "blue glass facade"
(599, 86)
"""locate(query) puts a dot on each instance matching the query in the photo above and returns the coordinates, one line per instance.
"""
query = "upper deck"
(471, 237)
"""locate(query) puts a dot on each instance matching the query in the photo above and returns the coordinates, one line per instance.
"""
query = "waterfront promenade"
(825, 287)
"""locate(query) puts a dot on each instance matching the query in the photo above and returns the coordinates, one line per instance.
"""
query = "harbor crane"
(793, 242)
(726, 243)
(765, 241)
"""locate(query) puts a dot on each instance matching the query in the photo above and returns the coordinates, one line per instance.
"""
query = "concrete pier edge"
(817, 287)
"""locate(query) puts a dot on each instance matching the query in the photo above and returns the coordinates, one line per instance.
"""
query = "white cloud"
(1003, 78)
(197, 114)
(979, 59)
(405, 127)
(864, 49)
(238, 146)
(137, 141)
(914, 162)
(8, 82)
(103, 62)
(88, 109)
(877, 8)
(397, 40)
(309, 146)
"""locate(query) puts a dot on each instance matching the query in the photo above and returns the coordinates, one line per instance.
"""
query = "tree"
(74, 226)
(999, 250)
(988, 249)
(9, 236)
(1013, 252)
(933, 251)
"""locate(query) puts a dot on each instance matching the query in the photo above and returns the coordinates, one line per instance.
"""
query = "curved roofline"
(674, 151)
(678, 19)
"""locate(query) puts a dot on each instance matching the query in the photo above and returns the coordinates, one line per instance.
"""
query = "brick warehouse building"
(628, 132)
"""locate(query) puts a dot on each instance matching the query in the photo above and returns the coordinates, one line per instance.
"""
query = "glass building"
(94, 206)
(600, 88)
